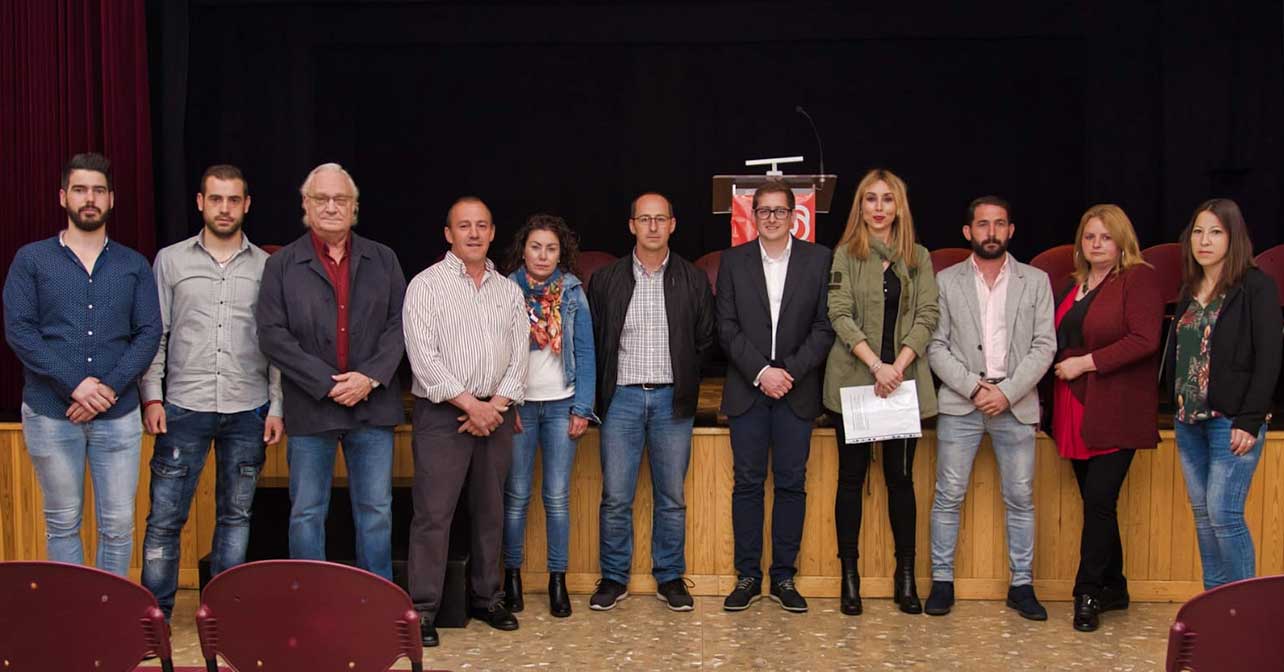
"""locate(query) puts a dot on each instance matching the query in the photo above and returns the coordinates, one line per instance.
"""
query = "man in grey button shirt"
(217, 385)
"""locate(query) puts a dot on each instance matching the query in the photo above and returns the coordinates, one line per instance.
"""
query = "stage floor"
(641, 634)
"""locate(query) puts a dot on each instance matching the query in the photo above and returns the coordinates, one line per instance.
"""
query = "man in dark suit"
(773, 323)
(329, 317)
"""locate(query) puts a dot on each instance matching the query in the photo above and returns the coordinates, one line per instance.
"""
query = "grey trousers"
(445, 461)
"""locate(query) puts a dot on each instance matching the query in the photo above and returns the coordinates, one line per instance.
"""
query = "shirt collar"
(106, 240)
(767, 259)
(639, 270)
(1002, 269)
(199, 241)
(456, 265)
(321, 246)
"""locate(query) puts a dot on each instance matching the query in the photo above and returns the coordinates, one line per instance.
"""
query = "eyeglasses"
(769, 213)
(660, 220)
(320, 200)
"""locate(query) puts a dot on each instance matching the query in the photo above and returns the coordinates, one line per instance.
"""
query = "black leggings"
(898, 474)
(1100, 549)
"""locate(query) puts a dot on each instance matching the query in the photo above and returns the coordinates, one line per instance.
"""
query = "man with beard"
(994, 342)
(80, 312)
(216, 384)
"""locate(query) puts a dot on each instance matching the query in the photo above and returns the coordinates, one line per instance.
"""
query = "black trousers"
(898, 474)
(769, 427)
(1100, 548)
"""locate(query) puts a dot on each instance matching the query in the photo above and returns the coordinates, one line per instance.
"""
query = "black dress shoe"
(1022, 599)
(427, 631)
(1113, 599)
(850, 602)
(941, 599)
(559, 603)
(1087, 612)
(904, 592)
(513, 590)
(497, 616)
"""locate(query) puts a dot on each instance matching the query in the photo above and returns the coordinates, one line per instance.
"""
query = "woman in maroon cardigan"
(1105, 396)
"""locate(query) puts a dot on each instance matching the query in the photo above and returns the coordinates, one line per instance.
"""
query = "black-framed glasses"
(772, 213)
(660, 220)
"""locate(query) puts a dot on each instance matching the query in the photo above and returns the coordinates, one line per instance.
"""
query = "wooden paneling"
(1161, 557)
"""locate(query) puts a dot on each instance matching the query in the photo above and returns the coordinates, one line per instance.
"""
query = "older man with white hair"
(329, 317)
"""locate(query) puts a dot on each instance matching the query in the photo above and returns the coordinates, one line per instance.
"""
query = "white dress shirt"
(994, 325)
(774, 270)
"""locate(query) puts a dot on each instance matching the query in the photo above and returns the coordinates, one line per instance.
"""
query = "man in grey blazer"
(994, 342)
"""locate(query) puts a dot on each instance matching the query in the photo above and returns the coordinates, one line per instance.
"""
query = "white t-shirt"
(545, 378)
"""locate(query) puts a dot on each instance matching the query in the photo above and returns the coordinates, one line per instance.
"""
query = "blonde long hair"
(856, 235)
(1120, 229)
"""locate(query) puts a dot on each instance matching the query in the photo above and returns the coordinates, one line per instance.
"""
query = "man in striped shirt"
(467, 337)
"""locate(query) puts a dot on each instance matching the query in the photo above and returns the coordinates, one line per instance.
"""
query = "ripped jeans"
(176, 467)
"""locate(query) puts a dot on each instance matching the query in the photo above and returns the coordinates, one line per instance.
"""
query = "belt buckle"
(649, 387)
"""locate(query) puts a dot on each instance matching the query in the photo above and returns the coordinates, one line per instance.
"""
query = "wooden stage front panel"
(1161, 557)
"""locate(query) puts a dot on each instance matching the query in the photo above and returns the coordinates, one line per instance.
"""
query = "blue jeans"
(638, 418)
(59, 450)
(544, 423)
(1217, 481)
(958, 437)
(177, 462)
(367, 452)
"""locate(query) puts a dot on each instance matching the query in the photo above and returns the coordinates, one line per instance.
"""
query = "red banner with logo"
(744, 230)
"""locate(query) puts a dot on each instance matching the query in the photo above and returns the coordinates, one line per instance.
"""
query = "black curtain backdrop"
(575, 108)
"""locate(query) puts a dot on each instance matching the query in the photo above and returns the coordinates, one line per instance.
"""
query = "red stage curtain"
(73, 78)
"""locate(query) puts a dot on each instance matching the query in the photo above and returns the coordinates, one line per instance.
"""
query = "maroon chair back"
(59, 616)
(270, 249)
(1166, 258)
(306, 615)
(947, 257)
(588, 263)
(1272, 263)
(1057, 262)
(709, 264)
(1235, 626)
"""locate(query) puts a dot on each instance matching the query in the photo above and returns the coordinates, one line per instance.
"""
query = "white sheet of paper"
(867, 417)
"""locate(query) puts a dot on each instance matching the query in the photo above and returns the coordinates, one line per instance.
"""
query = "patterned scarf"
(544, 308)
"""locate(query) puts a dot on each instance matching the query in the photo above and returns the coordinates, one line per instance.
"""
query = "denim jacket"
(578, 360)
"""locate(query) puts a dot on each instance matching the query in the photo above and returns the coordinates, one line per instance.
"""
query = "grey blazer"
(955, 351)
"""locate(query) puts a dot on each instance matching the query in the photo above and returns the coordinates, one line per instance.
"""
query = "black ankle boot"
(850, 603)
(559, 603)
(513, 590)
(904, 592)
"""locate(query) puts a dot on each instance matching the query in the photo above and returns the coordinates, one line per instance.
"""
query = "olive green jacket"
(856, 311)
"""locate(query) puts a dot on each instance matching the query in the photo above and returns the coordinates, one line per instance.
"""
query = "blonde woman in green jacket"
(882, 302)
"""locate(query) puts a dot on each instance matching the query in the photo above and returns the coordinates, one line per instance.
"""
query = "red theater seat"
(947, 257)
(1231, 627)
(307, 615)
(1272, 263)
(1166, 258)
(270, 249)
(1057, 262)
(709, 264)
(58, 616)
(589, 262)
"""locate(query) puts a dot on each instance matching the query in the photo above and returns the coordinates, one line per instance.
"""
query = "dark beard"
(223, 235)
(979, 249)
(88, 227)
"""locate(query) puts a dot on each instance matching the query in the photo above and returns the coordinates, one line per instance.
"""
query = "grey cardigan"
(955, 351)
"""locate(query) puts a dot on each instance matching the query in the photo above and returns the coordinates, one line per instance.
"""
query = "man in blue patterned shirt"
(81, 313)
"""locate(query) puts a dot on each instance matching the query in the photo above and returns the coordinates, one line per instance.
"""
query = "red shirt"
(338, 274)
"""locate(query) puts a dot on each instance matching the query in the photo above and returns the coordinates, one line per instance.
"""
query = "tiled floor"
(641, 634)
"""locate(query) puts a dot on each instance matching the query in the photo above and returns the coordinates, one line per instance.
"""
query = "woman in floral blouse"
(1222, 357)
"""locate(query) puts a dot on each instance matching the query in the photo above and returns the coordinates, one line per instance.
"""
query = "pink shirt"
(994, 325)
